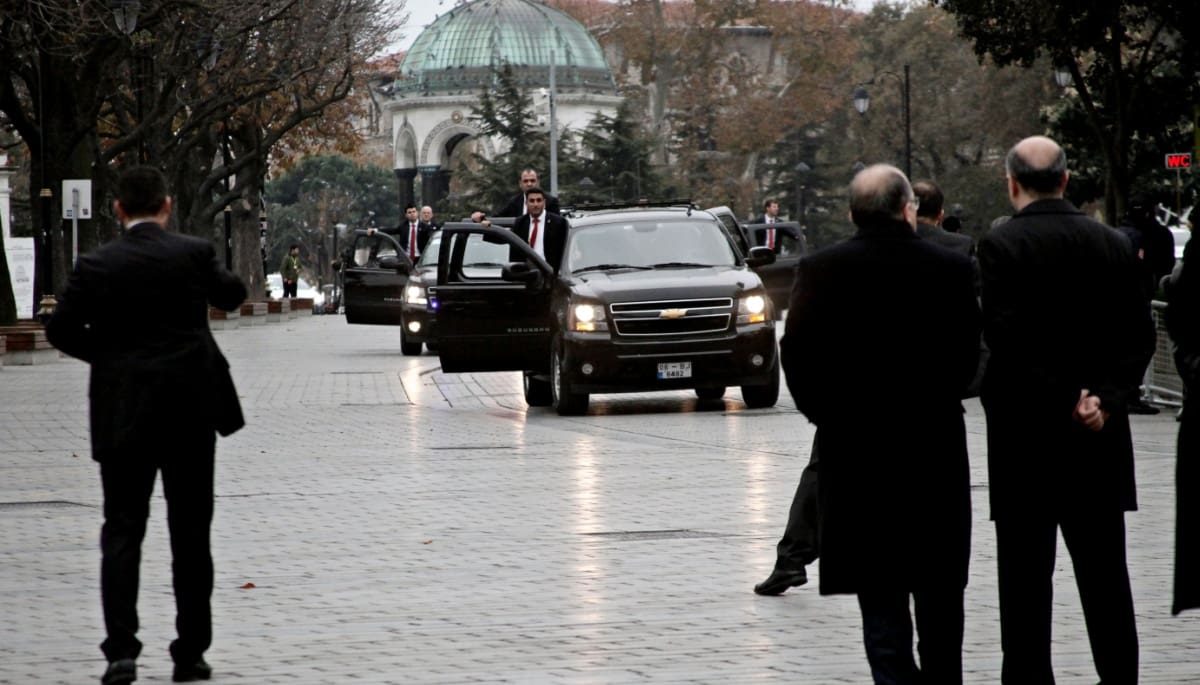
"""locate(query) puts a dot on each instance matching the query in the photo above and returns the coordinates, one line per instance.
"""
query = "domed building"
(455, 58)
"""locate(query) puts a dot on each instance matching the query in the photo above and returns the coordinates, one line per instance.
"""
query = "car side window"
(368, 249)
(732, 229)
(483, 259)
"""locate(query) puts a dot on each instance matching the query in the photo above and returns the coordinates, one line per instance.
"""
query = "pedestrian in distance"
(1154, 247)
(160, 390)
(888, 311)
(289, 271)
(1070, 334)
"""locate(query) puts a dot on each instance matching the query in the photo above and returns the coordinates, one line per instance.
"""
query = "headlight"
(587, 318)
(752, 309)
(415, 294)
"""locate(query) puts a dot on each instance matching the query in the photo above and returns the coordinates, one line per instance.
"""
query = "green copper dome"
(460, 48)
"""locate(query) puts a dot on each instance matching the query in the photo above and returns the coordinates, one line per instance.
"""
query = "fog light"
(414, 326)
(756, 359)
(587, 368)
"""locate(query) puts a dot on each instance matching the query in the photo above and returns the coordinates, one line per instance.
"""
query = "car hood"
(677, 283)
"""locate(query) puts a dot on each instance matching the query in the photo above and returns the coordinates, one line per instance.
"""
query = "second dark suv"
(644, 299)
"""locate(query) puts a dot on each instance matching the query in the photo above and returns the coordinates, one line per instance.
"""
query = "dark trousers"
(800, 544)
(128, 481)
(1025, 555)
(289, 289)
(888, 636)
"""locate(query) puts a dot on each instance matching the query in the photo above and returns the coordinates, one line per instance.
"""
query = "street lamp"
(862, 102)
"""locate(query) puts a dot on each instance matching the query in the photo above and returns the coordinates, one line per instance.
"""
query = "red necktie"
(412, 241)
(771, 237)
(533, 234)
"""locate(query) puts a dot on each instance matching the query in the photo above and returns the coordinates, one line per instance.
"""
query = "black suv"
(645, 299)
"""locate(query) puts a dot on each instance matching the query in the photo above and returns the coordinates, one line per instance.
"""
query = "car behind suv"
(644, 299)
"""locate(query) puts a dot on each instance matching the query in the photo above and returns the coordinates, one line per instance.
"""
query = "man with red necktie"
(545, 231)
(412, 234)
(770, 216)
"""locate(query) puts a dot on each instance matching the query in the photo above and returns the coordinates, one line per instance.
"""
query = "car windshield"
(649, 244)
(429, 255)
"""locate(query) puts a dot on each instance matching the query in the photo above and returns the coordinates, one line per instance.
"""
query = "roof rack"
(636, 204)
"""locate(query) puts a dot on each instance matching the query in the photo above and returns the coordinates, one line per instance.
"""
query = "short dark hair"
(142, 190)
(882, 201)
(408, 207)
(1041, 181)
(768, 202)
(294, 246)
(535, 189)
(931, 199)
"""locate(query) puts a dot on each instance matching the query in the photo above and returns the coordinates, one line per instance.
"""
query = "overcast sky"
(421, 13)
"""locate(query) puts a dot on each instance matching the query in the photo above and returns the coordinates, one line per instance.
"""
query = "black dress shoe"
(119, 672)
(186, 673)
(780, 580)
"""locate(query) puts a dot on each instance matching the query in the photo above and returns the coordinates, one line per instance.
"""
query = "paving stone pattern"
(404, 526)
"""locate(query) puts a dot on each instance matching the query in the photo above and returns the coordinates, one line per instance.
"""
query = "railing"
(1162, 383)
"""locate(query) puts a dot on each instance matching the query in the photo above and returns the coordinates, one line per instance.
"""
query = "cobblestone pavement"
(403, 526)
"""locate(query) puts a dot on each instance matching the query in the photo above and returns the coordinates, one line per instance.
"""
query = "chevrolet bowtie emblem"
(672, 314)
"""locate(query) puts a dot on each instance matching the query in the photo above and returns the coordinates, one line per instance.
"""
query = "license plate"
(675, 370)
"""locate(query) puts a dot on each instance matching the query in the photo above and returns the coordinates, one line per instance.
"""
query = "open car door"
(493, 301)
(790, 246)
(374, 273)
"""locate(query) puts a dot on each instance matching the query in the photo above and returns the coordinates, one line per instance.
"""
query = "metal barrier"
(1162, 383)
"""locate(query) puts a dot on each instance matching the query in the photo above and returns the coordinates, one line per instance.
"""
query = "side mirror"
(521, 272)
(394, 262)
(760, 256)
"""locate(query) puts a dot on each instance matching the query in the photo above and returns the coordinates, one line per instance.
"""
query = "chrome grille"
(693, 317)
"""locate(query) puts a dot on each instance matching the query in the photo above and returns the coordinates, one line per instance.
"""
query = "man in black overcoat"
(1070, 335)
(1183, 323)
(136, 310)
(881, 341)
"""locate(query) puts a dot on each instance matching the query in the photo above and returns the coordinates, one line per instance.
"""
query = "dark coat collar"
(143, 227)
(888, 228)
(1049, 206)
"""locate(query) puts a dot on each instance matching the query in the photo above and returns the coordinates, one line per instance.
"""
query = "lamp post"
(862, 102)
(228, 211)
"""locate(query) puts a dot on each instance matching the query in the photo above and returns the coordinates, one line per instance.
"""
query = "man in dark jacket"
(160, 389)
(516, 204)
(1070, 334)
(1183, 323)
(894, 314)
(545, 231)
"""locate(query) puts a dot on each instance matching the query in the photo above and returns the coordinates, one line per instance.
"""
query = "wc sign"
(1179, 160)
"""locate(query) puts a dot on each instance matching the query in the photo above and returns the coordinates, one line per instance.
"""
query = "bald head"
(1038, 165)
(878, 193)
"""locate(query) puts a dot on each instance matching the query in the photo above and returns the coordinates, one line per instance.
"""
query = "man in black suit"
(160, 389)
(770, 215)
(546, 232)
(516, 204)
(897, 315)
(412, 234)
(1070, 335)
(427, 219)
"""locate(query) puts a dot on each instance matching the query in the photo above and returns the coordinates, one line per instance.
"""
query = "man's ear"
(118, 211)
(1066, 178)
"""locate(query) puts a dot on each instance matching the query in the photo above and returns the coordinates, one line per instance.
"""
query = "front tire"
(537, 392)
(762, 396)
(566, 401)
(408, 348)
